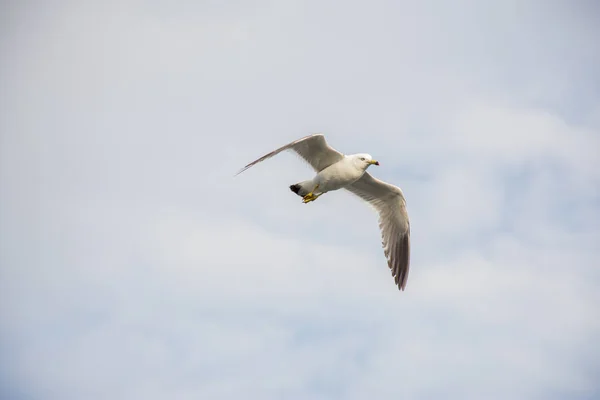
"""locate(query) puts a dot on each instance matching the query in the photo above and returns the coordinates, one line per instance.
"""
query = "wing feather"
(312, 148)
(394, 224)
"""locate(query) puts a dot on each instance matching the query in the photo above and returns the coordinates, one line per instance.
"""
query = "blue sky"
(133, 264)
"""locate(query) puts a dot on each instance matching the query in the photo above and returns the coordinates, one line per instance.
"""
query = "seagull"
(339, 171)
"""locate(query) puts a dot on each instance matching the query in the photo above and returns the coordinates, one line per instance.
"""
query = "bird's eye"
(362, 158)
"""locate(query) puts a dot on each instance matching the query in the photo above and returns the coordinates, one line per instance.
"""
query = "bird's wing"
(389, 202)
(312, 148)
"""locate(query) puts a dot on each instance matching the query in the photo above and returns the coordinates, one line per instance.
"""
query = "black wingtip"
(295, 188)
(240, 171)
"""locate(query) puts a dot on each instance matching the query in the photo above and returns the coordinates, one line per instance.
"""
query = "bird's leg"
(311, 196)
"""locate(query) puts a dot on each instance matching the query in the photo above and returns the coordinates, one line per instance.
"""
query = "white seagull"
(338, 171)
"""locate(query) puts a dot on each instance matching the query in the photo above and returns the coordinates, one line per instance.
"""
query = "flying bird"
(338, 171)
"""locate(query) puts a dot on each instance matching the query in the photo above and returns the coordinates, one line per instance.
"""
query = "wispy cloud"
(134, 265)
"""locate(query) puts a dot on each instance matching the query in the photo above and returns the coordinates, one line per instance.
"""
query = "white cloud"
(134, 265)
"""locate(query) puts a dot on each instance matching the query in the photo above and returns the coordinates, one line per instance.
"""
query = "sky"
(133, 264)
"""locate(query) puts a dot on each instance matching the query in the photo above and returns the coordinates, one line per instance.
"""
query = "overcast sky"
(135, 266)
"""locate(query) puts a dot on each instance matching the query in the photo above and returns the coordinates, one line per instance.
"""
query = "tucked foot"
(310, 197)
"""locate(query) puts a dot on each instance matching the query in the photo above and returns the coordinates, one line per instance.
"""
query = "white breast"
(338, 175)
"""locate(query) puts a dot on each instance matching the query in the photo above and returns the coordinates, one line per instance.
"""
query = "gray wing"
(389, 202)
(312, 148)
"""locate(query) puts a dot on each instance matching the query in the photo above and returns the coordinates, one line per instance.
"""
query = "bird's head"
(364, 161)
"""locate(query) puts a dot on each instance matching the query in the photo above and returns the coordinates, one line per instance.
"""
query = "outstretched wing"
(389, 202)
(312, 148)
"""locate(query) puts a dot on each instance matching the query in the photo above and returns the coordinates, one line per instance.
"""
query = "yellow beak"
(374, 162)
